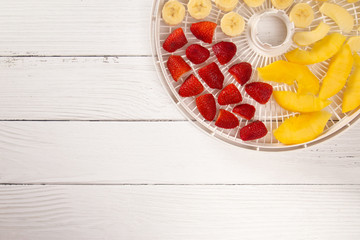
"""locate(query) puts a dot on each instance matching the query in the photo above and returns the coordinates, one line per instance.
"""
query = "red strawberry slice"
(212, 75)
(207, 106)
(224, 51)
(191, 87)
(197, 54)
(175, 40)
(246, 111)
(229, 95)
(203, 31)
(177, 66)
(226, 120)
(259, 91)
(241, 72)
(252, 131)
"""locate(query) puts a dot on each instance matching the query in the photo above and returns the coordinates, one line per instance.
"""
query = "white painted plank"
(75, 27)
(162, 152)
(180, 212)
(83, 89)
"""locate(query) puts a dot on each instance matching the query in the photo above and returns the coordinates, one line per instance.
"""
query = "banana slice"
(226, 5)
(282, 4)
(199, 9)
(173, 12)
(254, 3)
(232, 24)
(340, 16)
(302, 15)
(307, 38)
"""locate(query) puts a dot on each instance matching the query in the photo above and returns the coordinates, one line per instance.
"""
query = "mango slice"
(351, 99)
(354, 43)
(340, 15)
(307, 38)
(302, 128)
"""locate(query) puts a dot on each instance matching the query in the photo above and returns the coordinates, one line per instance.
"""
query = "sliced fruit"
(175, 40)
(254, 3)
(299, 102)
(287, 72)
(340, 15)
(191, 87)
(224, 51)
(259, 91)
(241, 72)
(199, 9)
(354, 43)
(307, 38)
(252, 131)
(226, 120)
(245, 110)
(302, 128)
(232, 24)
(226, 5)
(229, 95)
(282, 4)
(212, 76)
(337, 74)
(352, 1)
(351, 99)
(177, 66)
(207, 106)
(322, 50)
(203, 31)
(197, 54)
(301, 15)
(173, 12)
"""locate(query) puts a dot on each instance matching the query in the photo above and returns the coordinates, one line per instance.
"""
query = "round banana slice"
(226, 5)
(199, 9)
(173, 12)
(302, 15)
(282, 4)
(254, 3)
(232, 24)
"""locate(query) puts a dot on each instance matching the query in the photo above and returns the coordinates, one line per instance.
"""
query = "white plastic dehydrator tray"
(262, 24)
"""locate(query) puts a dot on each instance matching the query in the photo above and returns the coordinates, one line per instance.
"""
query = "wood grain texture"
(161, 152)
(180, 212)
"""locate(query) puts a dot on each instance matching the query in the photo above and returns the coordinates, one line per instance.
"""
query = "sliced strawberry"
(226, 120)
(197, 54)
(212, 75)
(246, 111)
(229, 95)
(207, 106)
(175, 40)
(252, 131)
(241, 72)
(203, 31)
(224, 51)
(191, 87)
(259, 91)
(177, 66)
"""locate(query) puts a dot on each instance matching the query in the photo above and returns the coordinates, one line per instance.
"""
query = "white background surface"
(91, 146)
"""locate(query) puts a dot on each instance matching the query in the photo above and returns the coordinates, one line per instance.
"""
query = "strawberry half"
(241, 72)
(226, 120)
(224, 51)
(246, 111)
(259, 91)
(197, 54)
(207, 106)
(203, 31)
(175, 40)
(212, 75)
(229, 95)
(177, 66)
(191, 87)
(252, 131)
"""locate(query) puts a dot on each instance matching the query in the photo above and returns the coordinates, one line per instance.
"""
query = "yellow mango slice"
(340, 15)
(354, 43)
(351, 99)
(286, 72)
(299, 102)
(307, 38)
(322, 50)
(337, 74)
(302, 128)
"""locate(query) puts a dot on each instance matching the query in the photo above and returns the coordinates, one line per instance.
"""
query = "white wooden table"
(91, 146)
